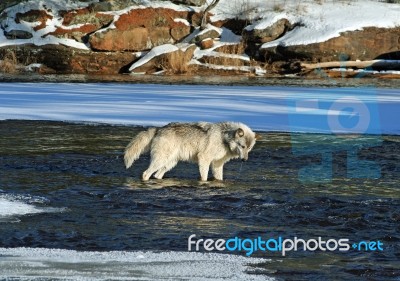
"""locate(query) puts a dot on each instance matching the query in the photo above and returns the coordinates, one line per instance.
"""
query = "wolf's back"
(139, 145)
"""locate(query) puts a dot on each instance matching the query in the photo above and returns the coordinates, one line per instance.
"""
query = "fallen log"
(374, 64)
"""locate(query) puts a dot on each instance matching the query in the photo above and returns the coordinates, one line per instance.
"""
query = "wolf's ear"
(258, 137)
(239, 133)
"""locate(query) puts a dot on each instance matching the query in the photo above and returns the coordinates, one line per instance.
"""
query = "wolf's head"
(241, 141)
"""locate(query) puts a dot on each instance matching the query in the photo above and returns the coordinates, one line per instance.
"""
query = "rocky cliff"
(109, 37)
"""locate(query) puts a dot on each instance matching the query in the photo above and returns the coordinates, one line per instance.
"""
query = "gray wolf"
(208, 144)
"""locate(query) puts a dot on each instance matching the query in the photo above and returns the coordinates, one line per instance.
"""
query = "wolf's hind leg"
(155, 165)
(160, 173)
(147, 174)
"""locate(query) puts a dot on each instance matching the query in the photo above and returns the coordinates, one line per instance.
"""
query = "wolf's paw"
(145, 176)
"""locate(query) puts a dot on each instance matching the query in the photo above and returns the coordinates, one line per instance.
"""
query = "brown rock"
(366, 44)
(136, 39)
(65, 60)
(150, 18)
(224, 60)
(237, 49)
(17, 34)
(100, 62)
(180, 32)
(142, 29)
(160, 36)
(195, 18)
(86, 16)
(74, 33)
(207, 43)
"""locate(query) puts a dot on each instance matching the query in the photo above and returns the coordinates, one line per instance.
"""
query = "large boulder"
(366, 44)
(209, 32)
(270, 33)
(207, 43)
(17, 34)
(178, 32)
(65, 60)
(142, 29)
(225, 60)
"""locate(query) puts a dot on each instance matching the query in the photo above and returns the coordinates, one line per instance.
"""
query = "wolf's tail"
(139, 145)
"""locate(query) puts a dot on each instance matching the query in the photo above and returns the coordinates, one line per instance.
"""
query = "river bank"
(251, 37)
(319, 80)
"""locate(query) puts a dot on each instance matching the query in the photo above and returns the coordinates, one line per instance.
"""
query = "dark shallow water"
(77, 169)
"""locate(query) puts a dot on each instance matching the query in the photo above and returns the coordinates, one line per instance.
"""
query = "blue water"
(364, 110)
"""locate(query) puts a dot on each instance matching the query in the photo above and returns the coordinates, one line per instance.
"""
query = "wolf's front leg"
(217, 168)
(204, 166)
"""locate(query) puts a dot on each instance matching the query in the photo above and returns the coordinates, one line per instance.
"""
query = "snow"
(44, 264)
(267, 21)
(185, 22)
(40, 37)
(229, 37)
(257, 70)
(318, 21)
(208, 28)
(262, 108)
(157, 51)
(33, 66)
(14, 206)
(321, 23)
(11, 208)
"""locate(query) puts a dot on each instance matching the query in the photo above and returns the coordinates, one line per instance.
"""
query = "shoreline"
(215, 80)
(137, 126)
